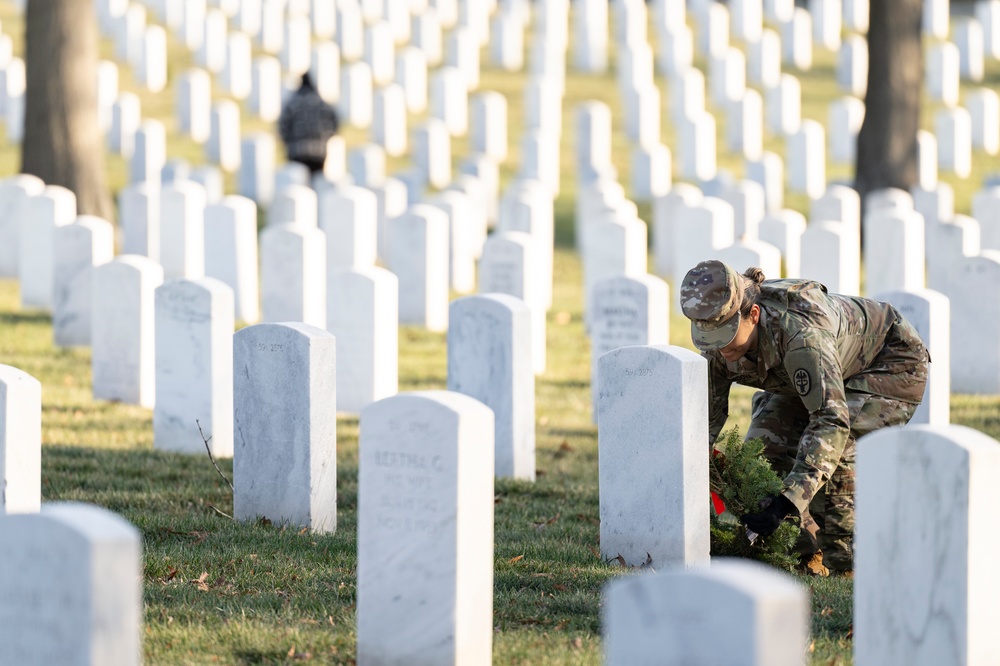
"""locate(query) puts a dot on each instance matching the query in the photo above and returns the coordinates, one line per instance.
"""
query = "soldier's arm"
(815, 372)
(718, 398)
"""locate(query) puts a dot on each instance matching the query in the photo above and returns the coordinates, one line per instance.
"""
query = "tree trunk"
(887, 143)
(63, 144)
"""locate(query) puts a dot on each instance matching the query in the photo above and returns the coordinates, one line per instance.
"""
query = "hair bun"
(755, 274)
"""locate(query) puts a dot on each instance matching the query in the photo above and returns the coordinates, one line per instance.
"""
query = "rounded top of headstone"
(11, 375)
(93, 522)
(425, 401)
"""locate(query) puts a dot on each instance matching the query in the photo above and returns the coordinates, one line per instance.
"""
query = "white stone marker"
(350, 31)
(988, 13)
(930, 313)
(122, 333)
(223, 145)
(784, 231)
(363, 315)
(893, 250)
(745, 126)
(807, 159)
(43, 213)
(379, 52)
(652, 426)
(389, 119)
(231, 252)
(77, 249)
(212, 54)
(670, 617)
(425, 505)
(356, 94)
(942, 75)
(293, 274)
(125, 118)
(463, 53)
(651, 172)
(984, 109)
(418, 255)
(783, 106)
(464, 240)
(265, 88)
(953, 128)
(489, 359)
(193, 101)
(256, 175)
(697, 147)
(285, 422)
(151, 68)
(84, 603)
(752, 252)
(797, 41)
(975, 324)
(139, 219)
(764, 60)
(830, 256)
(296, 50)
(699, 230)
(926, 596)
(194, 367)
(986, 210)
(626, 311)
(846, 116)
(527, 206)
(769, 172)
(827, 23)
(324, 68)
(852, 66)
(968, 36)
(20, 448)
(236, 77)
(182, 230)
(507, 43)
(366, 164)
(593, 140)
(426, 37)
(296, 204)
(488, 125)
(411, 73)
(349, 217)
(665, 213)
(150, 152)
(449, 100)
(432, 153)
(590, 27)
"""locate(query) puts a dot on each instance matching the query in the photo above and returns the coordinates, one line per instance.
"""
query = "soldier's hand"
(767, 520)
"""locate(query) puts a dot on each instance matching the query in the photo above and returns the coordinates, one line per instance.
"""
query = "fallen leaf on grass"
(541, 575)
(263, 522)
(621, 561)
(563, 449)
(561, 626)
(563, 318)
(540, 472)
(516, 558)
(559, 588)
(171, 574)
(200, 583)
(303, 530)
(589, 519)
(826, 612)
(541, 525)
(497, 499)
(648, 564)
(199, 537)
(576, 643)
(544, 421)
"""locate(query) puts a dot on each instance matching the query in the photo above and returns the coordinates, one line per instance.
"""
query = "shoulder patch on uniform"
(802, 381)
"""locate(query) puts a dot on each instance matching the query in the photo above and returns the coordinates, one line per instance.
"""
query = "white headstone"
(432, 152)
(489, 359)
(784, 230)
(418, 255)
(699, 230)
(942, 74)
(830, 256)
(231, 252)
(43, 213)
(929, 312)
(182, 230)
(769, 171)
(807, 159)
(256, 175)
(968, 36)
(151, 68)
(783, 106)
(20, 449)
(295, 204)
(926, 595)
(411, 74)
(122, 333)
(265, 88)
(425, 525)
(652, 429)
(285, 420)
(223, 145)
(975, 324)
(349, 217)
(356, 94)
(83, 605)
(236, 77)
(363, 315)
(194, 367)
(953, 128)
(193, 101)
(125, 119)
(449, 100)
(797, 40)
(389, 119)
(77, 249)
(672, 617)
(293, 274)
(150, 152)
(852, 66)
(488, 125)
(984, 109)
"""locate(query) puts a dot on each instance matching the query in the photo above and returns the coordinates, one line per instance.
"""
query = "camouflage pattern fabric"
(828, 520)
(826, 356)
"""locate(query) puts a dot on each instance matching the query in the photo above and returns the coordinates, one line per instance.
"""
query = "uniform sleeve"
(817, 377)
(718, 398)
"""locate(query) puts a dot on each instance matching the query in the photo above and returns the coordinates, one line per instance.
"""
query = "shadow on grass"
(29, 317)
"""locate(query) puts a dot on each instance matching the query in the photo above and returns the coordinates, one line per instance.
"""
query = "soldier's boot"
(837, 536)
(812, 565)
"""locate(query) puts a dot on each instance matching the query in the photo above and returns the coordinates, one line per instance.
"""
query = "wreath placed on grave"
(739, 478)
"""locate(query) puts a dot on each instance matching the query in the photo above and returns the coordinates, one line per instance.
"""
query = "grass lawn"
(218, 592)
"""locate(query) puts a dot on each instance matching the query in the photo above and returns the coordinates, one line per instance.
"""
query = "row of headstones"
(423, 466)
(652, 429)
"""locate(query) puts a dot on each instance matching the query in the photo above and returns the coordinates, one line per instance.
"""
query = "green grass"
(218, 592)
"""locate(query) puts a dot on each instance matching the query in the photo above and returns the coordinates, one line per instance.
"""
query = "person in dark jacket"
(306, 124)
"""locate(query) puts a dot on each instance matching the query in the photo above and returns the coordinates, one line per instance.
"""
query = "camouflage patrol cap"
(711, 296)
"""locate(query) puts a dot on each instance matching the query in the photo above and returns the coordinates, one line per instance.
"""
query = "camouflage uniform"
(832, 368)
